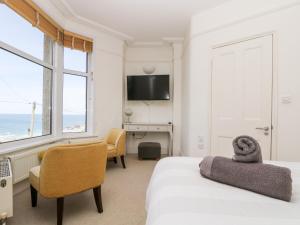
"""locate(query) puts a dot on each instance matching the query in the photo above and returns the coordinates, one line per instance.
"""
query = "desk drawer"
(135, 128)
(158, 128)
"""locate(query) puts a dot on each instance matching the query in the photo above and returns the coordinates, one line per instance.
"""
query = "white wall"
(161, 57)
(236, 20)
(108, 92)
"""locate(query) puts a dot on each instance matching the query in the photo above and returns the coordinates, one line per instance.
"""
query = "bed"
(178, 195)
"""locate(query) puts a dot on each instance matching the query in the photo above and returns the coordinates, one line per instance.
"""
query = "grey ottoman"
(149, 150)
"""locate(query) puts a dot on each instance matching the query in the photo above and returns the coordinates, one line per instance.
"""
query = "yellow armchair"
(67, 170)
(116, 145)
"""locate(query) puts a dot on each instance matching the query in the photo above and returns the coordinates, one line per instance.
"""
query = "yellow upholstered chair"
(116, 145)
(67, 170)
(80, 142)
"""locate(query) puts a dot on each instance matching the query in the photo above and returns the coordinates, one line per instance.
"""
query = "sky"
(21, 81)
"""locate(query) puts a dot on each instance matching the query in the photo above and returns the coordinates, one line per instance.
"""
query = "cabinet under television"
(148, 87)
(152, 128)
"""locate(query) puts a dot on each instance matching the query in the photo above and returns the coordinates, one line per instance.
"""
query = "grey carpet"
(123, 196)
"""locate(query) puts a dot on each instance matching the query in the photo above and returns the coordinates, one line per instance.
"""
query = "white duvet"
(178, 195)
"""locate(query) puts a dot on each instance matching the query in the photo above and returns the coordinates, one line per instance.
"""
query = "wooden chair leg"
(98, 199)
(33, 196)
(115, 160)
(60, 210)
(123, 161)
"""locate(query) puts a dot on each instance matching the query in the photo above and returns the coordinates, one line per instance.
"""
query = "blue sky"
(21, 81)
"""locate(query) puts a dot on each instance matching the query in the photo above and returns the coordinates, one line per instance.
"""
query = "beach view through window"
(74, 102)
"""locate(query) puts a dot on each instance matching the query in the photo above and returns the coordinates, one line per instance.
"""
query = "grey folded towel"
(269, 180)
(246, 150)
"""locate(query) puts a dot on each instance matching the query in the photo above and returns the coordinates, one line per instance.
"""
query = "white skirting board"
(21, 187)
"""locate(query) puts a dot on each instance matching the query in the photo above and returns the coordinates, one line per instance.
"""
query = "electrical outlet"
(286, 99)
(200, 142)
(200, 139)
(200, 146)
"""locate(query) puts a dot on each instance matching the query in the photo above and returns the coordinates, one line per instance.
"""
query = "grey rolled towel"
(246, 149)
(265, 179)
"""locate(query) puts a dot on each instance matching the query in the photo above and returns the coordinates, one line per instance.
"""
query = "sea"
(15, 126)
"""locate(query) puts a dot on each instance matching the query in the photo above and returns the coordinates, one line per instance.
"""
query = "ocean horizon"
(15, 126)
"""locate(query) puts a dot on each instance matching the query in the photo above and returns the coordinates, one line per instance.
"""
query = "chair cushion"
(34, 177)
(111, 151)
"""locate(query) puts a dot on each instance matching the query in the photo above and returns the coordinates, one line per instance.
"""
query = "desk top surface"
(149, 124)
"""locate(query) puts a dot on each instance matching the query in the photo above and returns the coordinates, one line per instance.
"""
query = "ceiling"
(141, 20)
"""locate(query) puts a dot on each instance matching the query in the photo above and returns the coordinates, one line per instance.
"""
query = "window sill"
(21, 147)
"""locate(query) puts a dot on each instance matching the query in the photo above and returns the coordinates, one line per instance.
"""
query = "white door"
(242, 94)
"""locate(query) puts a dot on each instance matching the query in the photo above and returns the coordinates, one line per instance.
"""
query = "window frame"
(25, 55)
(89, 97)
(8, 146)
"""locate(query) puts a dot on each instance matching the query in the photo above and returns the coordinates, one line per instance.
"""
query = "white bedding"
(178, 195)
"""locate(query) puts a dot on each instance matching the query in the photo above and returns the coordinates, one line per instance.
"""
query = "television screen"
(148, 87)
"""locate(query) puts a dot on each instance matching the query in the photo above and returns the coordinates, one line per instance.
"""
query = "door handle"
(266, 129)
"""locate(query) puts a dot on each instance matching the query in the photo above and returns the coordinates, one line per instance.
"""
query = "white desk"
(152, 127)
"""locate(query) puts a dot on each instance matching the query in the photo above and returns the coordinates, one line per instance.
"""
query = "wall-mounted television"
(148, 87)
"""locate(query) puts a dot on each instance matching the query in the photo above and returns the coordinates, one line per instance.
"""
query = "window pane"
(19, 33)
(75, 60)
(25, 98)
(74, 103)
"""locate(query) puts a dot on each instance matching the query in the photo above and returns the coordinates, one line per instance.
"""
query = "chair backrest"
(114, 135)
(70, 169)
(89, 141)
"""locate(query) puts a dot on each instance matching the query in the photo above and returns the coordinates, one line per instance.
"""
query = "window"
(75, 60)
(25, 79)
(75, 92)
(74, 110)
(20, 34)
(24, 98)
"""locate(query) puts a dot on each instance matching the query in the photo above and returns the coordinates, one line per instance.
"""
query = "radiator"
(22, 163)
(6, 190)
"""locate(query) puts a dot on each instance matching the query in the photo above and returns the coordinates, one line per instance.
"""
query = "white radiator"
(6, 190)
(22, 163)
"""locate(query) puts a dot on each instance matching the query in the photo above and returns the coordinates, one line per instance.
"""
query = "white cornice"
(146, 44)
(173, 40)
(166, 42)
(262, 12)
(68, 12)
(63, 8)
